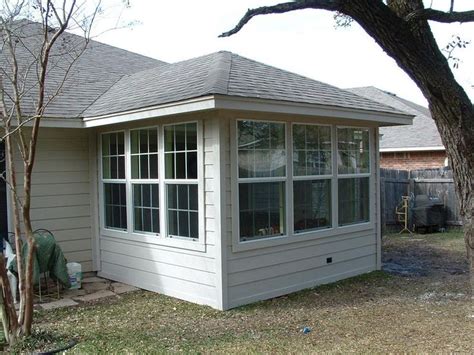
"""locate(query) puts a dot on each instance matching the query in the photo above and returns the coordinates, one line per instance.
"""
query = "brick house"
(412, 147)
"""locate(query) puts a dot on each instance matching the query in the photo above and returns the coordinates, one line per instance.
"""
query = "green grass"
(371, 313)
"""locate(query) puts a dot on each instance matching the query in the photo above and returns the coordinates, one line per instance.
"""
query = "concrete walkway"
(93, 288)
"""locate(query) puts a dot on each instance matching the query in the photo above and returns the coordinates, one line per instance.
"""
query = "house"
(218, 180)
(412, 147)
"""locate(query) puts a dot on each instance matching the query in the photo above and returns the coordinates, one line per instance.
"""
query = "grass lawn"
(422, 305)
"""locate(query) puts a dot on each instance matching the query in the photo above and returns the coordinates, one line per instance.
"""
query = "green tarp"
(48, 258)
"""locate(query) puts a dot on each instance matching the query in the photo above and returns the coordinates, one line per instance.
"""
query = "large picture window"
(312, 172)
(181, 180)
(261, 179)
(113, 180)
(353, 175)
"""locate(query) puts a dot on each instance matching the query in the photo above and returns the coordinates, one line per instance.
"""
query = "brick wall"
(412, 160)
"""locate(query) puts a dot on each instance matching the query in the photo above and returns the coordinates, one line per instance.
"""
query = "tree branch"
(332, 5)
(441, 16)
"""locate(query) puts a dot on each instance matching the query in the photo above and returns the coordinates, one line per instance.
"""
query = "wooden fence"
(432, 182)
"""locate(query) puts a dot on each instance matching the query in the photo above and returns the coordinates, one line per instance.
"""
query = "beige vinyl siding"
(171, 270)
(286, 267)
(60, 191)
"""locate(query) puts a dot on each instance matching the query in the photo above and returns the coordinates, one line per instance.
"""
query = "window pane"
(191, 167)
(353, 150)
(180, 165)
(180, 137)
(311, 150)
(262, 211)
(135, 160)
(182, 210)
(153, 166)
(113, 158)
(353, 200)
(261, 149)
(144, 166)
(169, 138)
(134, 141)
(153, 140)
(146, 208)
(312, 205)
(143, 141)
(169, 168)
(181, 161)
(115, 206)
(191, 136)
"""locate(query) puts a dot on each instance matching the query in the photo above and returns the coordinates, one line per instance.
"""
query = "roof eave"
(225, 102)
(306, 109)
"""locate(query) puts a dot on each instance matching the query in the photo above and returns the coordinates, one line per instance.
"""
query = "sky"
(305, 42)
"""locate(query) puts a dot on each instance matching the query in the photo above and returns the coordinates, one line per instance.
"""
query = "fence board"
(432, 182)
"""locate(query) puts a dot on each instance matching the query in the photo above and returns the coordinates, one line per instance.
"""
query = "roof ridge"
(217, 81)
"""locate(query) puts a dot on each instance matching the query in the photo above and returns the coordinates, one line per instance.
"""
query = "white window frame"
(262, 180)
(129, 235)
(167, 181)
(369, 175)
(139, 181)
(290, 236)
(330, 177)
(103, 181)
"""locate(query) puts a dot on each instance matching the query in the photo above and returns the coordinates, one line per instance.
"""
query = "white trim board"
(212, 102)
(411, 149)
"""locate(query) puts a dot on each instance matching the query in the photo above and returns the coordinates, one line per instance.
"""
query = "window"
(181, 180)
(353, 175)
(144, 174)
(261, 179)
(326, 174)
(113, 179)
(312, 172)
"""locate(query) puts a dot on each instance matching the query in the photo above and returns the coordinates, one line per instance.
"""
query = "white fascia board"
(296, 108)
(411, 149)
(174, 108)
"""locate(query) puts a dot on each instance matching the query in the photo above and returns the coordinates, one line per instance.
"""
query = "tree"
(402, 30)
(34, 69)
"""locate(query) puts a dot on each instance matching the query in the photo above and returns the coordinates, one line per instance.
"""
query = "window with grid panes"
(144, 180)
(113, 180)
(181, 180)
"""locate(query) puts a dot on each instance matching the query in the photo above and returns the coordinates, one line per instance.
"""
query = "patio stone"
(73, 293)
(65, 302)
(92, 279)
(94, 296)
(120, 288)
(96, 286)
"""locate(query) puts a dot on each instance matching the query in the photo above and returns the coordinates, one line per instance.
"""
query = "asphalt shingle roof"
(223, 73)
(107, 80)
(97, 69)
(423, 132)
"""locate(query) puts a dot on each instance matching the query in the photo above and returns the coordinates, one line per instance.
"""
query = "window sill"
(175, 242)
(300, 237)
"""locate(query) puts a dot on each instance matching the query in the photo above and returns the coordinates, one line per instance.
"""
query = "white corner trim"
(286, 107)
(410, 149)
(192, 105)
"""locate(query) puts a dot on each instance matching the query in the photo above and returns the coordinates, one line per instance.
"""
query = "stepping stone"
(94, 296)
(93, 279)
(96, 286)
(119, 288)
(73, 293)
(66, 302)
